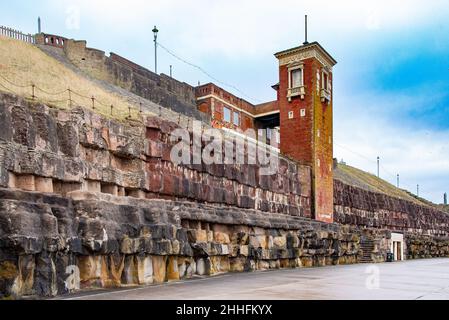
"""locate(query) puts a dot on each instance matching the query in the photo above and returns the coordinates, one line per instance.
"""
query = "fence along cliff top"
(15, 34)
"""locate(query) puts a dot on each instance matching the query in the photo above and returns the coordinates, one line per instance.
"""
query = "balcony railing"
(294, 92)
(325, 95)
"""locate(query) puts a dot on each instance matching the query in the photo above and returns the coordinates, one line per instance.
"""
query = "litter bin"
(390, 257)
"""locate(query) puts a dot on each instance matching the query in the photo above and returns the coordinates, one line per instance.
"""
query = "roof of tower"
(304, 47)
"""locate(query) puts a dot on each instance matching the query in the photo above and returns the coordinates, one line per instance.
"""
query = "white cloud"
(365, 131)
(242, 29)
(373, 21)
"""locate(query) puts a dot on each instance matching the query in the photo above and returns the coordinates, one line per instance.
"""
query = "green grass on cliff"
(22, 64)
(364, 180)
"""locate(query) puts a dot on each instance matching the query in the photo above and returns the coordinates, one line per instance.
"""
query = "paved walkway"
(420, 279)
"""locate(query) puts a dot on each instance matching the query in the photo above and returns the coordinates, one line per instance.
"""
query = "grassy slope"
(24, 64)
(370, 182)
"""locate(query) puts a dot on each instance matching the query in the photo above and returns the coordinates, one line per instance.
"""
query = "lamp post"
(155, 31)
(378, 167)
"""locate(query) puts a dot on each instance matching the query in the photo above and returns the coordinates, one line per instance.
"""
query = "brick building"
(228, 111)
(300, 120)
(298, 123)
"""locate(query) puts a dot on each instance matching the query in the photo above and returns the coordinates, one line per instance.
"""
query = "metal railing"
(15, 34)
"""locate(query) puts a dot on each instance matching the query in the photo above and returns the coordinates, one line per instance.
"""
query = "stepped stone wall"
(425, 229)
(355, 206)
(425, 247)
(48, 150)
(87, 202)
(53, 245)
(160, 89)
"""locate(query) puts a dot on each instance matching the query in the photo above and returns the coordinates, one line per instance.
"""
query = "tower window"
(325, 87)
(297, 78)
(291, 115)
(296, 82)
(226, 114)
(325, 81)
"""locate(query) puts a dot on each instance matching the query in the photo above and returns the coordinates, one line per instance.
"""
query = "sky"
(391, 83)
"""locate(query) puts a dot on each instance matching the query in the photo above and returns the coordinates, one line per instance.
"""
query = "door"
(399, 251)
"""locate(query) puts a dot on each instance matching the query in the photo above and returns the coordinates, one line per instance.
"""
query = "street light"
(378, 167)
(155, 31)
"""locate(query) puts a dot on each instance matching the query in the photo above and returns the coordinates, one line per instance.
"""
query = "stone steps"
(367, 247)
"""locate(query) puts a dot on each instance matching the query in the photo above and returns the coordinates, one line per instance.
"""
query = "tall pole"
(398, 181)
(305, 30)
(39, 27)
(155, 31)
(417, 190)
(171, 71)
(378, 167)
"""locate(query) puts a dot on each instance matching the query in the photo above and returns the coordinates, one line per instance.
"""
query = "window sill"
(295, 92)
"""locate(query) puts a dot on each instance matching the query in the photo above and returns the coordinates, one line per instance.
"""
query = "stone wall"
(160, 89)
(52, 245)
(48, 150)
(425, 247)
(87, 202)
(355, 206)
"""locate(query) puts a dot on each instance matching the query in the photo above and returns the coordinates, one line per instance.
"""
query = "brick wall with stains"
(306, 133)
(81, 150)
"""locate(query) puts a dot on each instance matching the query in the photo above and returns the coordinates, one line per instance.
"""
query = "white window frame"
(225, 108)
(290, 76)
(298, 90)
(325, 84)
(236, 115)
(318, 82)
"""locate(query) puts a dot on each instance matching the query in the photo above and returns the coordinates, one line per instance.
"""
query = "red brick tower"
(305, 102)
